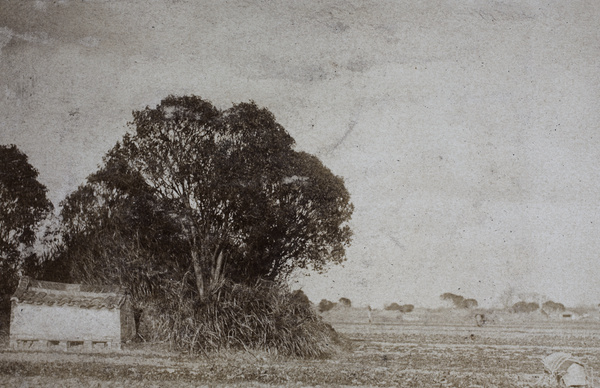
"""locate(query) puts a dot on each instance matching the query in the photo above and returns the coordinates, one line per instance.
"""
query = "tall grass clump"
(265, 316)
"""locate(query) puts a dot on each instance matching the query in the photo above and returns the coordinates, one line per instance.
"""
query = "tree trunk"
(213, 262)
(218, 270)
(198, 273)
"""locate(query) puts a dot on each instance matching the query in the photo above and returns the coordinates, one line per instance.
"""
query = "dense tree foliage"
(206, 195)
(111, 236)
(23, 204)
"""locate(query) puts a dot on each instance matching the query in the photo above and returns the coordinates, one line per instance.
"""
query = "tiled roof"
(102, 289)
(61, 294)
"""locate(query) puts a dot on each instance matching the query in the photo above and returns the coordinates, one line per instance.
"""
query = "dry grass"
(263, 317)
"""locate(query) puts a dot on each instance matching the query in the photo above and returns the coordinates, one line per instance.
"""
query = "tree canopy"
(23, 204)
(217, 194)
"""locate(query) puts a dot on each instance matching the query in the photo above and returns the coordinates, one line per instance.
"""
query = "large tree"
(23, 204)
(236, 199)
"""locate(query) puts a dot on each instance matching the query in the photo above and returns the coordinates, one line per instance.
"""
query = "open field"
(390, 352)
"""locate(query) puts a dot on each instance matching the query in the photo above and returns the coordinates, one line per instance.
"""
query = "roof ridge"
(49, 293)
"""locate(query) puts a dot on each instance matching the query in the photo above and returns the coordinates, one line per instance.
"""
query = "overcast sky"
(467, 132)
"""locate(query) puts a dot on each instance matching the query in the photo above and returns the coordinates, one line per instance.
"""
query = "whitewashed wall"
(65, 323)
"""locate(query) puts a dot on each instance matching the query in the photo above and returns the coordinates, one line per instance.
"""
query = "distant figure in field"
(370, 313)
(480, 320)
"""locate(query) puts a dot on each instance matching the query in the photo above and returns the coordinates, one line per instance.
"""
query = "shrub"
(459, 301)
(325, 305)
(300, 296)
(345, 302)
(469, 303)
(525, 307)
(265, 316)
(553, 306)
(407, 308)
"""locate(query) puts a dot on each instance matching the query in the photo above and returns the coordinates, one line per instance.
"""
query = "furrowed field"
(421, 349)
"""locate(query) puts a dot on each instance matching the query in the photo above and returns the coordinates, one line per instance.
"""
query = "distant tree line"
(525, 307)
(405, 308)
(326, 305)
(529, 307)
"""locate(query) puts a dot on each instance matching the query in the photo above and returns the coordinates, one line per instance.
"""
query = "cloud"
(7, 35)
(90, 41)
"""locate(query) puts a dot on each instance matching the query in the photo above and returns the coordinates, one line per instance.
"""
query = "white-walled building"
(69, 316)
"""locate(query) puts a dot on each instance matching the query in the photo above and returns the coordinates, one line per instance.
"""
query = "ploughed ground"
(425, 349)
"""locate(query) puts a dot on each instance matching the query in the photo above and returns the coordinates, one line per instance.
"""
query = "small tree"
(301, 297)
(407, 308)
(345, 302)
(551, 306)
(469, 303)
(459, 301)
(325, 305)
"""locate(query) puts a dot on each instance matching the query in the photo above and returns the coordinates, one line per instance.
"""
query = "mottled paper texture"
(466, 131)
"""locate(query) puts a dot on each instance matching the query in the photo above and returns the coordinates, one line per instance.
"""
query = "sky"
(467, 132)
